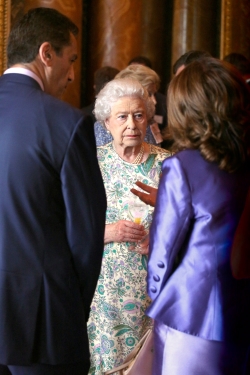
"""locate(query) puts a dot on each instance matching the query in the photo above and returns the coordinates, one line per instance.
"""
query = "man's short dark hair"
(37, 26)
(141, 60)
(103, 76)
(189, 57)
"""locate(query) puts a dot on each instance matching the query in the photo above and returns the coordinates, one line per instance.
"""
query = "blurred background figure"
(101, 77)
(187, 58)
(241, 63)
(179, 65)
(161, 100)
(201, 313)
(117, 319)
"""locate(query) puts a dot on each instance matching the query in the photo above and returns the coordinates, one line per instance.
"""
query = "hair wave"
(209, 110)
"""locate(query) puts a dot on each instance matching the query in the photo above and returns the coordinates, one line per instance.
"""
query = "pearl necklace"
(139, 157)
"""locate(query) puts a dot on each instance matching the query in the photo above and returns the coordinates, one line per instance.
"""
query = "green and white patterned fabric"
(117, 319)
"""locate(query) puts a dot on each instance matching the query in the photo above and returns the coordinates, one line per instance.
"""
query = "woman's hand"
(124, 231)
(142, 246)
(149, 197)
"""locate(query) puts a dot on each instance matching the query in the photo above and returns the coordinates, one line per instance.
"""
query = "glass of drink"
(138, 211)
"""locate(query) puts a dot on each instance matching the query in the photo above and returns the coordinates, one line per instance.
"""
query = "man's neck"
(26, 69)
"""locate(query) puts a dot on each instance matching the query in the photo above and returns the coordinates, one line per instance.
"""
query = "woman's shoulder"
(104, 151)
(190, 161)
(189, 156)
(160, 152)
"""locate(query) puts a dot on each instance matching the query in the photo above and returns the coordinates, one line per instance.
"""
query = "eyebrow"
(125, 112)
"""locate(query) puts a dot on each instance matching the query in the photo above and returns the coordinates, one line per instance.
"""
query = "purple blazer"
(189, 276)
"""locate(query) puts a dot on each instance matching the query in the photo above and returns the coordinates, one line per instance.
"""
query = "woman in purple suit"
(201, 313)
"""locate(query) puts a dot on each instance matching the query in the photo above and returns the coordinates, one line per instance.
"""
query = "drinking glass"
(138, 211)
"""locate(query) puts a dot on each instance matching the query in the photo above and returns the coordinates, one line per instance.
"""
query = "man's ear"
(46, 53)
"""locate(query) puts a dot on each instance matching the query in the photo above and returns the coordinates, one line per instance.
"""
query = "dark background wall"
(114, 31)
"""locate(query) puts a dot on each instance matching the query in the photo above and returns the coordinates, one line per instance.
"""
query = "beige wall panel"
(235, 27)
(4, 31)
(115, 32)
(123, 29)
(194, 26)
(154, 33)
(115, 35)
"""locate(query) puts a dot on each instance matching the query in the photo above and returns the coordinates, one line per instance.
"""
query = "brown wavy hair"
(209, 109)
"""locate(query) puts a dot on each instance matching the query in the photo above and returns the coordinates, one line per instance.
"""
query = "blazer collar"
(25, 72)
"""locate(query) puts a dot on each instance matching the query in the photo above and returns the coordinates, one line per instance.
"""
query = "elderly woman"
(201, 313)
(151, 81)
(117, 318)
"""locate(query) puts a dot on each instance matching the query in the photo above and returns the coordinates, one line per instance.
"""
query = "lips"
(132, 135)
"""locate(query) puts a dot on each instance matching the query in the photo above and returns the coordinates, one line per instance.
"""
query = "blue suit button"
(160, 265)
(153, 289)
(156, 278)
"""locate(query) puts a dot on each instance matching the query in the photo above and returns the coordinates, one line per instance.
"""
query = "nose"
(71, 75)
(130, 122)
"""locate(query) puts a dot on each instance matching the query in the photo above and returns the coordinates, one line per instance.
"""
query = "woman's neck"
(133, 155)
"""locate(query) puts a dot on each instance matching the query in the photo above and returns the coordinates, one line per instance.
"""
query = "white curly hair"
(117, 89)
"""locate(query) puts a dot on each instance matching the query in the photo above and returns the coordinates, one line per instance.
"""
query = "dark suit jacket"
(52, 210)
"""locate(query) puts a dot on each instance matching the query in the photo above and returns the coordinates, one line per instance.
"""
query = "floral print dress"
(117, 318)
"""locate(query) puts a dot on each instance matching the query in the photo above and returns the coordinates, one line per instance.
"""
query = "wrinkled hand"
(142, 246)
(124, 231)
(149, 197)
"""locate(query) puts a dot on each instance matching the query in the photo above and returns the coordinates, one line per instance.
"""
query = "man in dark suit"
(52, 204)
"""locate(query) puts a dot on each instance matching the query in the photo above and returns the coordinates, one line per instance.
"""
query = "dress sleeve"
(171, 222)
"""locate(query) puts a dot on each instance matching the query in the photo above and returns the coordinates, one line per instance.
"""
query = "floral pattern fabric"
(117, 318)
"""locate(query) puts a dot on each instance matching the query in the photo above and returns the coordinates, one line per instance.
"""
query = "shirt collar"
(26, 72)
